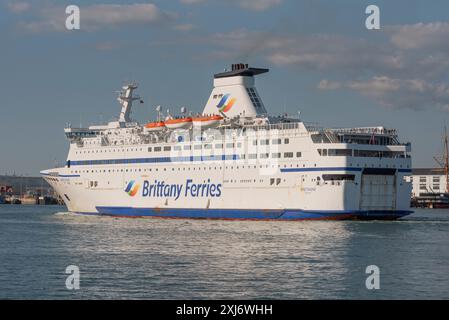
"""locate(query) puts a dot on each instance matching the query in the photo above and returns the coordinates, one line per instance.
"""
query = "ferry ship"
(232, 161)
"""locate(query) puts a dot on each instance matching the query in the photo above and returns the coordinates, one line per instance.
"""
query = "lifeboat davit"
(155, 126)
(207, 121)
(181, 123)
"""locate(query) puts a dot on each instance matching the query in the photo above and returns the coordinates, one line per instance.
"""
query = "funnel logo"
(132, 188)
(225, 103)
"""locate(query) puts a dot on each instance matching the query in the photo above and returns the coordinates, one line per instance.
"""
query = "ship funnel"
(234, 93)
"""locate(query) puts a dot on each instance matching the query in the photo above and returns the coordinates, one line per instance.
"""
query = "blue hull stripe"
(257, 214)
(321, 169)
(154, 160)
(332, 169)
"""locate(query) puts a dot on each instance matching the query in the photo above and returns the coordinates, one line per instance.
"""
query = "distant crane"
(443, 161)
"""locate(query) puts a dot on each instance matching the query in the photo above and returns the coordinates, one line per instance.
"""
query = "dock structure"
(430, 186)
(26, 190)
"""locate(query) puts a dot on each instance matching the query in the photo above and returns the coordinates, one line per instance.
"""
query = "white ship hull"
(243, 188)
(285, 171)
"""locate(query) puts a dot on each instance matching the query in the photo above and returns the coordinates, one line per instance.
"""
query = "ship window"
(276, 141)
(208, 146)
(187, 147)
(229, 145)
(340, 152)
(264, 142)
(264, 155)
(167, 148)
(288, 155)
(177, 148)
(149, 149)
(298, 154)
(197, 147)
(252, 156)
(219, 145)
(338, 177)
(255, 143)
(286, 141)
(157, 149)
(276, 155)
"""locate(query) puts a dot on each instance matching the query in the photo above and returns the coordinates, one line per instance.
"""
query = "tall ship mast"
(234, 160)
(443, 161)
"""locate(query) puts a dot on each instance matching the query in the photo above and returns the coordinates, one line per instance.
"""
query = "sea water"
(123, 258)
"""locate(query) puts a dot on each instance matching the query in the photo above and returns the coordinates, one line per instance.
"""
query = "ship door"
(378, 189)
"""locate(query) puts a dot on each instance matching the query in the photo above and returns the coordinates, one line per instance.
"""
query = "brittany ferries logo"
(161, 189)
(132, 188)
(226, 103)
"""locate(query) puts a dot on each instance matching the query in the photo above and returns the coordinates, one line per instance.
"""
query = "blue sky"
(323, 62)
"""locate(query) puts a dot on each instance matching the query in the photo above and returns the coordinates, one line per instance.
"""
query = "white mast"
(126, 99)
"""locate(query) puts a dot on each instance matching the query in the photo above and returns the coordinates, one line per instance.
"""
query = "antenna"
(158, 110)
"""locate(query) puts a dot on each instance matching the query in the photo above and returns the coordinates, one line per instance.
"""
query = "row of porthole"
(179, 169)
(204, 168)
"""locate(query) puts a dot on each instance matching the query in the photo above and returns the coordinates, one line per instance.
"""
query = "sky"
(323, 62)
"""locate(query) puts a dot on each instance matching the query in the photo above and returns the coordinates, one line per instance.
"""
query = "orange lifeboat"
(207, 121)
(155, 126)
(180, 123)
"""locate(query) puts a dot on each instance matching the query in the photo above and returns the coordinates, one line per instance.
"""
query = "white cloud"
(184, 27)
(258, 5)
(415, 94)
(18, 6)
(431, 36)
(94, 17)
(328, 85)
(192, 1)
(253, 5)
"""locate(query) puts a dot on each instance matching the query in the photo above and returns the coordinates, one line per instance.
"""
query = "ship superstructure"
(233, 161)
